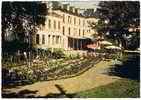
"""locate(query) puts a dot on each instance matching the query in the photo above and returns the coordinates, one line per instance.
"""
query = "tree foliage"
(89, 12)
(121, 15)
(20, 21)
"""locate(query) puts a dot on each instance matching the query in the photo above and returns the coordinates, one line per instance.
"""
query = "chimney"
(76, 10)
(72, 9)
(49, 6)
(66, 7)
(79, 10)
(62, 6)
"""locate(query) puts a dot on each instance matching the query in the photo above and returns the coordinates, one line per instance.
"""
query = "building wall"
(52, 32)
(59, 27)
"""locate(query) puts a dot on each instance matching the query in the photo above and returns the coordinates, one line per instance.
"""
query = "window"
(48, 39)
(63, 30)
(74, 31)
(64, 18)
(83, 22)
(53, 39)
(43, 39)
(57, 39)
(54, 24)
(49, 23)
(59, 25)
(88, 22)
(79, 32)
(79, 22)
(37, 39)
(63, 42)
(69, 30)
(69, 19)
(74, 20)
(83, 32)
(60, 40)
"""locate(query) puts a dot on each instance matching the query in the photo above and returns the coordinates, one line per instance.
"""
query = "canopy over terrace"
(105, 43)
(78, 43)
(113, 47)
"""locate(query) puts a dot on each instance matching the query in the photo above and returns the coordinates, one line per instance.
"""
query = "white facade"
(63, 30)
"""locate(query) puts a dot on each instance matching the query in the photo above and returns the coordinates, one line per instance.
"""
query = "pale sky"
(82, 4)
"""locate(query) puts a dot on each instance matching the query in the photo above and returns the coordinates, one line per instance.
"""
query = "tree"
(101, 27)
(121, 15)
(20, 21)
(89, 12)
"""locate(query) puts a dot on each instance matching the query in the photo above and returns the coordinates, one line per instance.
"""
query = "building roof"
(69, 12)
(55, 15)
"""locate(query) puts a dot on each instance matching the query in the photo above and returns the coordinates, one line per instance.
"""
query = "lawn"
(127, 87)
(123, 88)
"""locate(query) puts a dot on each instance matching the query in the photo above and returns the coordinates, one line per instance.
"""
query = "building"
(64, 28)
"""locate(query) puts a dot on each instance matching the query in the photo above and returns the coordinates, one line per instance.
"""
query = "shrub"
(100, 50)
(50, 52)
(71, 56)
(58, 53)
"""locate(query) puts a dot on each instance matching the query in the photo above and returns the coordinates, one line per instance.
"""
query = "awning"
(105, 43)
(113, 47)
(74, 37)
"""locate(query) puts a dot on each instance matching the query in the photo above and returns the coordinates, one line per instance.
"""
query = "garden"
(45, 65)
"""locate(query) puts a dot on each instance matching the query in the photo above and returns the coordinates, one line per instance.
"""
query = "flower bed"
(52, 70)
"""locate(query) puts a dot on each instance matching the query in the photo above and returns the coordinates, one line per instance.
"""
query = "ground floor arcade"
(57, 41)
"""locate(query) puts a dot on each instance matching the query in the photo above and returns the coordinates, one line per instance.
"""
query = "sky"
(82, 4)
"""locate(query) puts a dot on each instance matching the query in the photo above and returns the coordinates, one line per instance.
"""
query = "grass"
(123, 88)
(127, 87)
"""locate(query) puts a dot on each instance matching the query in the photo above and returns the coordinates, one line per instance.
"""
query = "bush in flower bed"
(55, 53)
(101, 50)
(72, 56)
(58, 53)
(77, 69)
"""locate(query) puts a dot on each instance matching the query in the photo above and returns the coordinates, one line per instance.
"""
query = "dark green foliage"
(100, 50)
(101, 27)
(58, 53)
(89, 13)
(20, 21)
(130, 67)
(121, 15)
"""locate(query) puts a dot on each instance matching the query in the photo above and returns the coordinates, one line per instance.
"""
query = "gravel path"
(92, 78)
